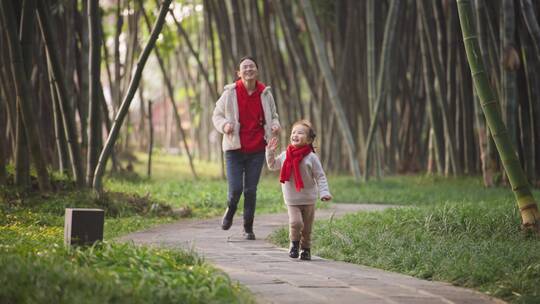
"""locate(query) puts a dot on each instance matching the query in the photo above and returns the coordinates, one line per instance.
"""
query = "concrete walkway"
(275, 278)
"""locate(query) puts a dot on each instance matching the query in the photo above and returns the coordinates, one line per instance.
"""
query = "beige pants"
(300, 223)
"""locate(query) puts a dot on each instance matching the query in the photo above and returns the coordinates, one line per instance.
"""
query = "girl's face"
(248, 70)
(300, 136)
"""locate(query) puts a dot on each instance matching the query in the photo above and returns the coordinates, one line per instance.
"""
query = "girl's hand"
(326, 198)
(272, 144)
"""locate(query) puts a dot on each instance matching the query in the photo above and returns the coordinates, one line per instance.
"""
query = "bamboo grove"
(386, 83)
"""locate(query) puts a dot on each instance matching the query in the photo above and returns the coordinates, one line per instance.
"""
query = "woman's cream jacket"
(226, 110)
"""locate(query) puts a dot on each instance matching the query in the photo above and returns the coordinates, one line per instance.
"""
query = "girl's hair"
(311, 132)
(246, 58)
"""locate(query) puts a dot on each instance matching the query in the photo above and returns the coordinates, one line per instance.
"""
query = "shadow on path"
(275, 278)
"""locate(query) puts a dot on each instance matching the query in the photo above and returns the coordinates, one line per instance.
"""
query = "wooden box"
(83, 226)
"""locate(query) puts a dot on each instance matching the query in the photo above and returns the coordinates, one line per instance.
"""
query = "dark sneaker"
(305, 254)
(249, 236)
(226, 223)
(293, 252)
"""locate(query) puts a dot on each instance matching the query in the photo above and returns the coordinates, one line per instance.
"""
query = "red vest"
(251, 118)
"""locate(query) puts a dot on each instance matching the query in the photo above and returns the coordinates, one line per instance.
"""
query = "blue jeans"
(243, 173)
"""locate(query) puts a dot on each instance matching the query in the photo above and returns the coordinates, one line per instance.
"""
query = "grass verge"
(454, 231)
(37, 268)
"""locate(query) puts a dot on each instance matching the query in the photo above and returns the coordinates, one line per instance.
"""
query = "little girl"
(302, 179)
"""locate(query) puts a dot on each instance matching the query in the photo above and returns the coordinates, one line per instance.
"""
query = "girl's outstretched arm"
(271, 160)
(320, 179)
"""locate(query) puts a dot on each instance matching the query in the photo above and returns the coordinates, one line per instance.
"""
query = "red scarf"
(292, 164)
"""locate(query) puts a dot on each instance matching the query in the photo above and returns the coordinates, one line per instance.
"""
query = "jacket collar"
(232, 86)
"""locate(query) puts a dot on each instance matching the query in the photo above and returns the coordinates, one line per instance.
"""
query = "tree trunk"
(124, 107)
(6, 84)
(70, 42)
(116, 89)
(210, 17)
(371, 74)
(94, 100)
(24, 95)
(440, 91)
(108, 127)
(84, 86)
(432, 108)
(51, 44)
(170, 90)
(531, 68)
(525, 200)
(298, 52)
(104, 107)
(150, 139)
(385, 60)
(3, 142)
(22, 159)
(22, 176)
(529, 17)
(487, 163)
(59, 133)
(210, 27)
(140, 130)
(510, 63)
(195, 55)
(228, 55)
(337, 105)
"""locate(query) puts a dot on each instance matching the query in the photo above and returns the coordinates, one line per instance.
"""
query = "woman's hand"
(272, 144)
(275, 129)
(326, 198)
(228, 128)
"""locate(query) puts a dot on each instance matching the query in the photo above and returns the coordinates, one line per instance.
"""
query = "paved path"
(275, 278)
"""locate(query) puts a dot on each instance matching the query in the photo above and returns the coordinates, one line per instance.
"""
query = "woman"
(246, 116)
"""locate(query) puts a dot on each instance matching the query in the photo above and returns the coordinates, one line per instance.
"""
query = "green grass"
(417, 190)
(37, 268)
(110, 273)
(451, 230)
(173, 184)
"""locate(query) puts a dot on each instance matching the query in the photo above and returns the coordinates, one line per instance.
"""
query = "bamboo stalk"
(170, 90)
(25, 97)
(59, 133)
(150, 138)
(195, 55)
(94, 94)
(371, 74)
(527, 11)
(124, 107)
(337, 105)
(3, 142)
(484, 140)
(49, 36)
(440, 93)
(525, 200)
(530, 67)
(437, 140)
(83, 73)
(389, 31)
(508, 71)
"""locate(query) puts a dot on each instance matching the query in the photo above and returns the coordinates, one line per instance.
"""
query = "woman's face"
(248, 70)
(300, 136)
